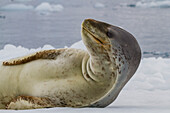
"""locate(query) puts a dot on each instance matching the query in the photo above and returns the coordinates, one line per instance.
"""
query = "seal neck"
(98, 68)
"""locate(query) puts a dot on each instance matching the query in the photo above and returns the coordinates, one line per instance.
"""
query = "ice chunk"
(13, 7)
(152, 4)
(57, 7)
(99, 5)
(78, 45)
(45, 6)
(22, 0)
(2, 16)
(11, 51)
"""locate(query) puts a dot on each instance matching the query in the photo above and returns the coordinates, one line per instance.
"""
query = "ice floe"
(147, 91)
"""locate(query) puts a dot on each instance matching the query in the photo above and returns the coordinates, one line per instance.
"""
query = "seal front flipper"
(46, 54)
(29, 102)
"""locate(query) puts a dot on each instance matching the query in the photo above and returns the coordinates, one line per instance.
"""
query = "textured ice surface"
(147, 91)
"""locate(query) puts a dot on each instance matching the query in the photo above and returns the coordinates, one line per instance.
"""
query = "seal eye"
(109, 34)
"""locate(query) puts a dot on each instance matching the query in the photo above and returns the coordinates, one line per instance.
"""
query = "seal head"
(123, 51)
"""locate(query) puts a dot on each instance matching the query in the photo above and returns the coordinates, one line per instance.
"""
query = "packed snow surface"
(147, 91)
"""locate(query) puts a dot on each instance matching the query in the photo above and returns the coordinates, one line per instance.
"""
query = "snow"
(117, 109)
(16, 6)
(45, 6)
(153, 74)
(147, 91)
(10, 51)
(78, 45)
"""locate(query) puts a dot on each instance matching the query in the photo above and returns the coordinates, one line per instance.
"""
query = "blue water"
(31, 29)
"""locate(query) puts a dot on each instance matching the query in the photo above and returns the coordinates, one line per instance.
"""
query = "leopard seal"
(72, 77)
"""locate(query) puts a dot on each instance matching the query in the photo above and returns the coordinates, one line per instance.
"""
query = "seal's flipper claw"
(29, 102)
(46, 54)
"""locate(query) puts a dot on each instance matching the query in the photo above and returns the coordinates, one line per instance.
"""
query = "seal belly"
(60, 80)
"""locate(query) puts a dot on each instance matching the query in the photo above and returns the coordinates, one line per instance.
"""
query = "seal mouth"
(94, 37)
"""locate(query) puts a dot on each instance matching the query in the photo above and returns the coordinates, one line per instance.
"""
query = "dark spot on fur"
(102, 75)
(117, 67)
(103, 68)
(123, 62)
(119, 59)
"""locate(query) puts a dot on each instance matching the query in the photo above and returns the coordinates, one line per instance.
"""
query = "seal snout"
(91, 22)
(88, 22)
(96, 29)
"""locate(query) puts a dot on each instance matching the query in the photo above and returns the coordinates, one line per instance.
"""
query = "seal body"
(72, 77)
(60, 82)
